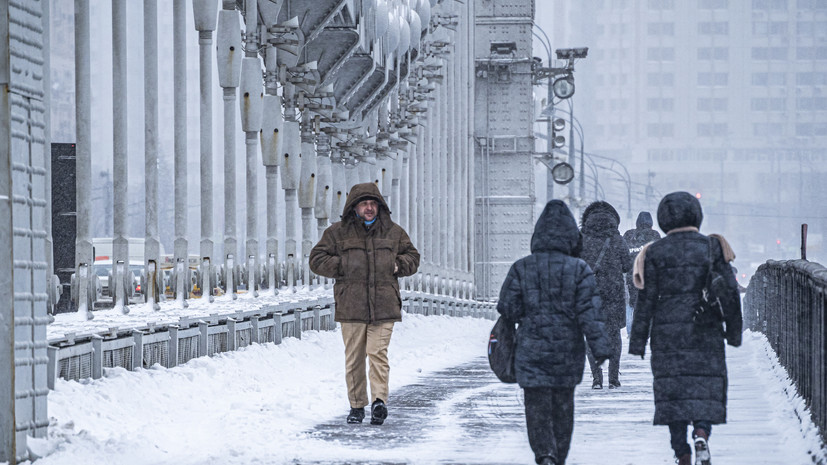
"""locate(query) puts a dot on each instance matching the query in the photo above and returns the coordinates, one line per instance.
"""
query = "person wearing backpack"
(675, 276)
(552, 296)
(607, 253)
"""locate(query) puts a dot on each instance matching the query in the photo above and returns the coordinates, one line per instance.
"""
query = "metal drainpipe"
(252, 90)
(120, 154)
(338, 187)
(324, 191)
(290, 171)
(152, 281)
(307, 187)
(179, 36)
(205, 13)
(459, 147)
(272, 125)
(83, 114)
(228, 55)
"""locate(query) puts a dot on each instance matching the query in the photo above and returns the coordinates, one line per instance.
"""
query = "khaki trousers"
(371, 341)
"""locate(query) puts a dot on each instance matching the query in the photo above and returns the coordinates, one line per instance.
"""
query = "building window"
(712, 104)
(811, 78)
(713, 4)
(660, 79)
(811, 103)
(661, 4)
(713, 28)
(660, 104)
(811, 129)
(811, 53)
(661, 54)
(661, 29)
(769, 79)
(712, 79)
(769, 4)
(713, 129)
(762, 129)
(769, 28)
(660, 130)
(812, 4)
(768, 104)
(769, 53)
(713, 53)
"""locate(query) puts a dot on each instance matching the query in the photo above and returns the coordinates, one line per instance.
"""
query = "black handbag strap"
(602, 252)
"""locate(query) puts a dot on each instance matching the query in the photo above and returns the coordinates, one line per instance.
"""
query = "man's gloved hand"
(600, 360)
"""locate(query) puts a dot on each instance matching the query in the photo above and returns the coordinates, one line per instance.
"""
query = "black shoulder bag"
(710, 310)
(501, 348)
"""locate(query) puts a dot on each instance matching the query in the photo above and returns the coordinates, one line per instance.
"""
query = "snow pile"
(255, 402)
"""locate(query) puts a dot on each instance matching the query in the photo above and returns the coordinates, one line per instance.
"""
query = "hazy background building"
(726, 99)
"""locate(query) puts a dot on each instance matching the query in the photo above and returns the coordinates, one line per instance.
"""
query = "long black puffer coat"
(552, 295)
(599, 224)
(636, 238)
(688, 358)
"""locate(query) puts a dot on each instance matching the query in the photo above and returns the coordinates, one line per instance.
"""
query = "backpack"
(501, 348)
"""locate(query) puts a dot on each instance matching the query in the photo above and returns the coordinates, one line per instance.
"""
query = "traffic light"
(557, 127)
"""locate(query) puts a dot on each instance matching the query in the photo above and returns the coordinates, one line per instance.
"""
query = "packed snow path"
(286, 404)
(463, 415)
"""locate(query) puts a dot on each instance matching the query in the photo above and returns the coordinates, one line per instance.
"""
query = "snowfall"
(276, 404)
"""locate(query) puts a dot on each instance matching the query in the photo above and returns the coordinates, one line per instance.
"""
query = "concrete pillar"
(228, 55)
(152, 244)
(83, 123)
(179, 20)
(205, 14)
(120, 154)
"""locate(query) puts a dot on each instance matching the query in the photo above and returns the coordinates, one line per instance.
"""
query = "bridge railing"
(76, 357)
(786, 301)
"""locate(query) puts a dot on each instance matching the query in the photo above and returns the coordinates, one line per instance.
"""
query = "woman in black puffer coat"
(688, 356)
(607, 253)
(552, 295)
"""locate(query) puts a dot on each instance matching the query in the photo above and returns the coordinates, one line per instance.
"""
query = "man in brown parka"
(366, 252)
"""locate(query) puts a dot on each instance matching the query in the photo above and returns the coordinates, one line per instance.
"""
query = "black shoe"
(378, 412)
(546, 461)
(356, 415)
(597, 384)
(614, 384)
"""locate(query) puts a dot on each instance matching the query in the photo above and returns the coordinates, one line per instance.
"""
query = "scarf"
(637, 269)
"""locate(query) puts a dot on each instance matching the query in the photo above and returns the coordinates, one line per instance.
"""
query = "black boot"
(356, 415)
(378, 412)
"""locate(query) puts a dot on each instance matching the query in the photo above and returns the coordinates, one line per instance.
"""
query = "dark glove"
(600, 360)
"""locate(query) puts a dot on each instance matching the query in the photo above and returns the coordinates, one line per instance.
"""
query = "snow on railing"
(79, 357)
(787, 301)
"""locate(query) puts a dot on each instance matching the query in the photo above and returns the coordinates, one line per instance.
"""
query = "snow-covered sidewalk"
(268, 404)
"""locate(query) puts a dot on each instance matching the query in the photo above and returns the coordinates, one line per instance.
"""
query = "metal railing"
(786, 301)
(76, 357)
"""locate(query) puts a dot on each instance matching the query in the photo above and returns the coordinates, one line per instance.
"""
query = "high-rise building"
(726, 99)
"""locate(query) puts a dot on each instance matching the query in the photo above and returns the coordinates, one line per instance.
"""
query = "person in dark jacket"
(636, 238)
(688, 353)
(553, 297)
(608, 256)
(366, 252)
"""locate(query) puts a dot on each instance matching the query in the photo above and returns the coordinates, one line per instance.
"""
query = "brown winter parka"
(362, 260)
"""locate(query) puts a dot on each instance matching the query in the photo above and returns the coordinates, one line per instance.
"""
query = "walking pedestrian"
(366, 252)
(608, 256)
(688, 353)
(636, 238)
(553, 296)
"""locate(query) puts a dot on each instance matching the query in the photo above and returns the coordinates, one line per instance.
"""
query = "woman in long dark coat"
(607, 253)
(552, 295)
(688, 353)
